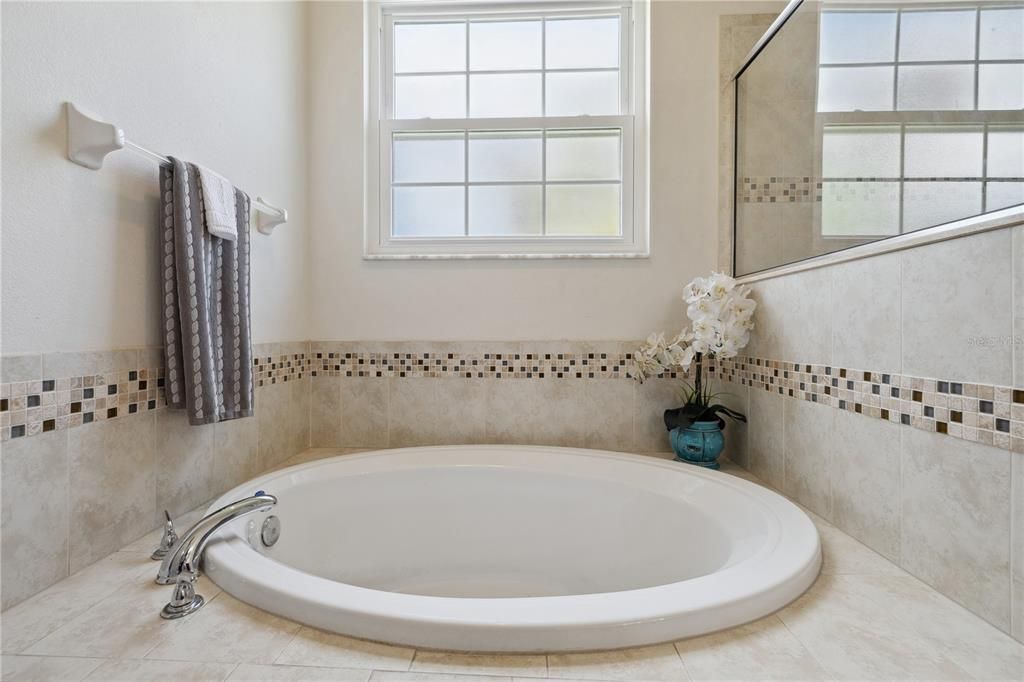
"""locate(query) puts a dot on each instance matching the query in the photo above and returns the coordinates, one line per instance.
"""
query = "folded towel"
(218, 205)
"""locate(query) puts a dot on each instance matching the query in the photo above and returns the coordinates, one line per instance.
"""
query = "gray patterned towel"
(207, 340)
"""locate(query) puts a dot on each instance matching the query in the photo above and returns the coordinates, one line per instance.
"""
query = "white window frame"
(634, 240)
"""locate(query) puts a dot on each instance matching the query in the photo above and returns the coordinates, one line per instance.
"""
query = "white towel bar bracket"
(90, 140)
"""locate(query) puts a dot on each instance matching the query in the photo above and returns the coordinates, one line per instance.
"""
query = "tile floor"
(865, 619)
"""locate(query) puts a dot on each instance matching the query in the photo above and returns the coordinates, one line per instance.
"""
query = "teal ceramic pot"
(699, 443)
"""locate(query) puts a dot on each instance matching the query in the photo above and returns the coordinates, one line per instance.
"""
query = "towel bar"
(90, 140)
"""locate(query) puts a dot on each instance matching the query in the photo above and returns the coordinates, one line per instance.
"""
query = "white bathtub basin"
(513, 548)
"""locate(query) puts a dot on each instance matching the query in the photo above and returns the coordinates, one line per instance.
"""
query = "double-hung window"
(512, 129)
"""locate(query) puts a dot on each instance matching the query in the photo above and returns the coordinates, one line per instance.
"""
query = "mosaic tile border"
(805, 189)
(980, 413)
(454, 365)
(29, 408)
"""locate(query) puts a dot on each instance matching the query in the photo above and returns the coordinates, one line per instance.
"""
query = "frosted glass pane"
(576, 94)
(428, 157)
(427, 211)
(582, 43)
(944, 152)
(934, 203)
(928, 88)
(584, 155)
(497, 45)
(1002, 34)
(430, 97)
(936, 35)
(1003, 195)
(583, 210)
(504, 156)
(860, 209)
(1005, 153)
(505, 95)
(856, 37)
(430, 47)
(861, 152)
(1001, 86)
(505, 210)
(855, 88)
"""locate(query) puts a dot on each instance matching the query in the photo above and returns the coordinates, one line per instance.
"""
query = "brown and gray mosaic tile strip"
(806, 189)
(981, 413)
(28, 408)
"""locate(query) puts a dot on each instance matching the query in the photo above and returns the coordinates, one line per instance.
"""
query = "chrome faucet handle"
(167, 541)
(184, 600)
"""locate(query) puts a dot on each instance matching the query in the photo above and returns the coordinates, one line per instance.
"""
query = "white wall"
(222, 84)
(516, 300)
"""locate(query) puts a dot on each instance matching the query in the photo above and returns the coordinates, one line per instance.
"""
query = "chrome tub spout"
(181, 565)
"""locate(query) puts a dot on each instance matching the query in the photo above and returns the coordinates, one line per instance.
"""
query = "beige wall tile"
(954, 293)
(1018, 306)
(1017, 542)
(534, 412)
(282, 413)
(437, 411)
(865, 477)
(59, 365)
(112, 467)
(325, 412)
(35, 515)
(184, 463)
(956, 521)
(766, 340)
(235, 453)
(866, 314)
(808, 317)
(364, 412)
(21, 367)
(735, 397)
(808, 448)
(607, 411)
(653, 397)
(765, 447)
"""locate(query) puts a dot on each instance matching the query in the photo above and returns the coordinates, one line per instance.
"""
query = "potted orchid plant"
(721, 317)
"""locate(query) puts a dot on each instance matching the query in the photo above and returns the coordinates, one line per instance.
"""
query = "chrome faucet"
(181, 565)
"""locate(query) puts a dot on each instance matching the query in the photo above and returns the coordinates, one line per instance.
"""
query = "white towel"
(218, 205)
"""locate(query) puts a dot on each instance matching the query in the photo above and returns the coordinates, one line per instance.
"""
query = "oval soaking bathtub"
(514, 548)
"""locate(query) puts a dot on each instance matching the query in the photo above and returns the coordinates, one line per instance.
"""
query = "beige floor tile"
(651, 663)
(171, 671)
(854, 638)
(762, 650)
(229, 631)
(970, 642)
(42, 614)
(842, 555)
(487, 664)
(392, 676)
(316, 647)
(249, 672)
(50, 668)
(126, 624)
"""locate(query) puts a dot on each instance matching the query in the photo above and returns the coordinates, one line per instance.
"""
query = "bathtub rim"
(760, 584)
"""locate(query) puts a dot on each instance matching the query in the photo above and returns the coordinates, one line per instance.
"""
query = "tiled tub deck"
(865, 618)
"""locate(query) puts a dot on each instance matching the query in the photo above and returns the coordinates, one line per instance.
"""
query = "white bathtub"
(512, 548)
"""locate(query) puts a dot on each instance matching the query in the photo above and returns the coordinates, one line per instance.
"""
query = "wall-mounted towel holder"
(90, 140)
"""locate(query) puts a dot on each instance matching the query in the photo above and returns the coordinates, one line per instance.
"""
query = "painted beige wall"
(222, 84)
(513, 300)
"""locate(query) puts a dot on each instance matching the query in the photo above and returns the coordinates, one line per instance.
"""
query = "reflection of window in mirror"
(952, 80)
